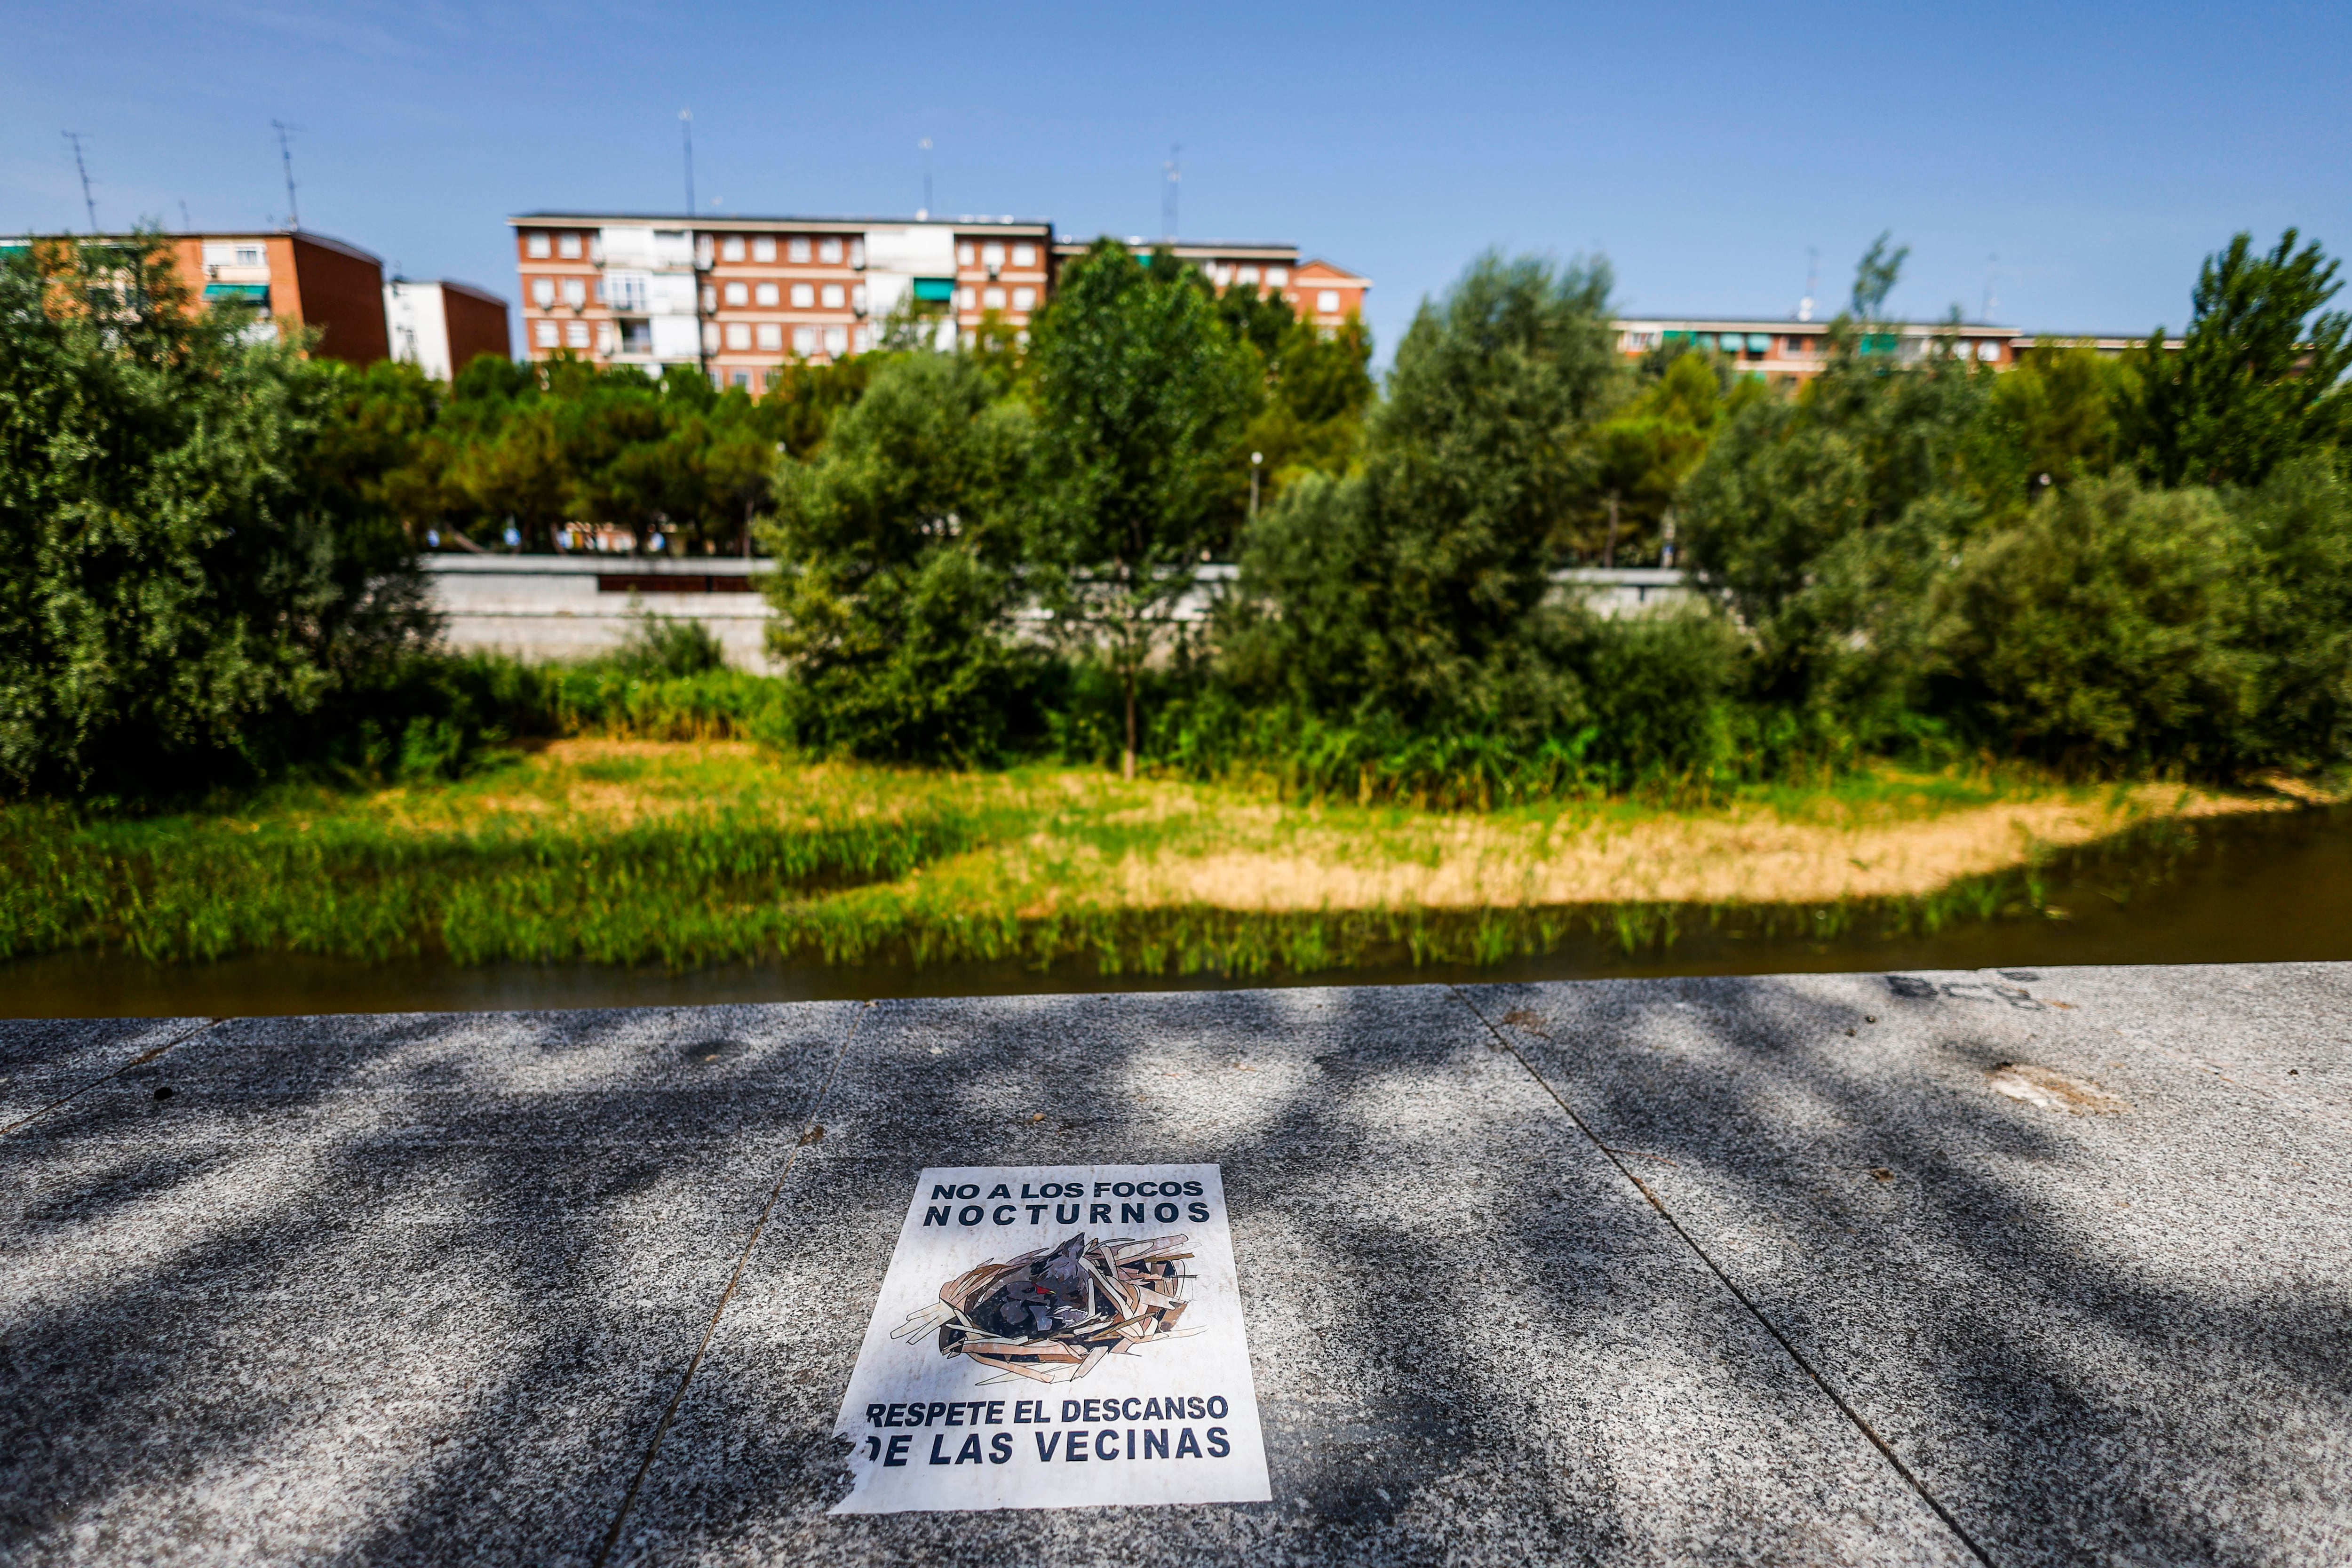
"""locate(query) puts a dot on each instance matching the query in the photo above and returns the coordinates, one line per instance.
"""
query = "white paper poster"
(1056, 1337)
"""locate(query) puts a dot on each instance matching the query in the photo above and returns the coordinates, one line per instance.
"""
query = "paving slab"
(2019, 1270)
(1472, 1340)
(378, 1289)
(2074, 1242)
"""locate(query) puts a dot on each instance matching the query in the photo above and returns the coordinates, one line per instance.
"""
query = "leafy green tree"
(2259, 378)
(1639, 456)
(1141, 395)
(2297, 616)
(1413, 593)
(1817, 521)
(2099, 630)
(195, 561)
(896, 551)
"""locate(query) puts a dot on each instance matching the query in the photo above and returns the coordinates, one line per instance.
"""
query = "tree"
(2098, 631)
(896, 550)
(1413, 593)
(1639, 456)
(2258, 379)
(194, 560)
(1140, 394)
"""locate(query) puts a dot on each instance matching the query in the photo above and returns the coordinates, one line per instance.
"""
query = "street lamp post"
(1255, 459)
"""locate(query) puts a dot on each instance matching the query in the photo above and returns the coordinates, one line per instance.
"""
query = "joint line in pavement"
(1885, 1450)
(669, 1413)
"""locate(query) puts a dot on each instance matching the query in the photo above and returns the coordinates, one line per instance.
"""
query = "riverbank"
(683, 855)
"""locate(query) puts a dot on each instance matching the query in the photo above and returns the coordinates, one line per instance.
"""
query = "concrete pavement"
(2028, 1267)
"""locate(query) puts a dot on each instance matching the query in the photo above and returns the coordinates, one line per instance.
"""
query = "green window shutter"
(935, 290)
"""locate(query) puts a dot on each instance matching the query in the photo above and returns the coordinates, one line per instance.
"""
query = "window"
(771, 336)
(764, 294)
(837, 339)
(964, 253)
(1988, 350)
(828, 250)
(575, 292)
(1024, 256)
(1024, 299)
(991, 254)
(992, 299)
(547, 334)
(803, 296)
(710, 296)
(711, 337)
(770, 378)
(567, 245)
(1277, 277)
(805, 341)
(797, 249)
(543, 293)
(857, 253)
(971, 298)
(575, 334)
(738, 294)
(1327, 302)
(627, 290)
(833, 297)
(764, 248)
(535, 246)
(742, 378)
(636, 337)
(1246, 275)
(732, 248)
(862, 337)
(739, 335)
(604, 338)
(600, 290)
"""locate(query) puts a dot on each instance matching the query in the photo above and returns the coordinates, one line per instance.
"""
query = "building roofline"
(788, 220)
(1782, 325)
(1072, 245)
(325, 241)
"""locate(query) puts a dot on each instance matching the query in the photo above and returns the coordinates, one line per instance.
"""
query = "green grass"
(699, 854)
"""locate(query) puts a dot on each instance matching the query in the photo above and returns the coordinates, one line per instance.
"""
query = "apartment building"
(1784, 351)
(742, 296)
(290, 279)
(440, 327)
(1318, 291)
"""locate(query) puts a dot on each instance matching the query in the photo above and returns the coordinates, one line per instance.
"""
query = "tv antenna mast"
(285, 153)
(1991, 301)
(1812, 283)
(1175, 172)
(89, 202)
(686, 129)
(925, 212)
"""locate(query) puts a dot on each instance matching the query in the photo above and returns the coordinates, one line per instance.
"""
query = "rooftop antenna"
(924, 211)
(1991, 301)
(1175, 172)
(686, 129)
(285, 153)
(89, 202)
(188, 224)
(1813, 282)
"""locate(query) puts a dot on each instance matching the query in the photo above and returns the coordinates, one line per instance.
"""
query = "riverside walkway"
(2011, 1267)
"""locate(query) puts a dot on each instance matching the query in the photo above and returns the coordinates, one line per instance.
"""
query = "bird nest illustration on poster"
(1053, 1315)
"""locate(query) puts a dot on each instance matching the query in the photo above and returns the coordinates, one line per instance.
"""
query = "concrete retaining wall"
(574, 607)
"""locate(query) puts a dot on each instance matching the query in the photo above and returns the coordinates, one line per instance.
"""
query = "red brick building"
(295, 278)
(742, 296)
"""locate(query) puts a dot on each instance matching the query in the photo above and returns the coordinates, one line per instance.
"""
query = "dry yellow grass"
(1750, 855)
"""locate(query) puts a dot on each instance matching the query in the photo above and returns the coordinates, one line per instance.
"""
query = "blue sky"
(2097, 152)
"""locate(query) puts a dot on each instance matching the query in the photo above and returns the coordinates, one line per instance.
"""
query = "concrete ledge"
(2010, 1267)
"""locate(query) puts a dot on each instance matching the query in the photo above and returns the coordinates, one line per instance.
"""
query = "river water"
(2232, 890)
